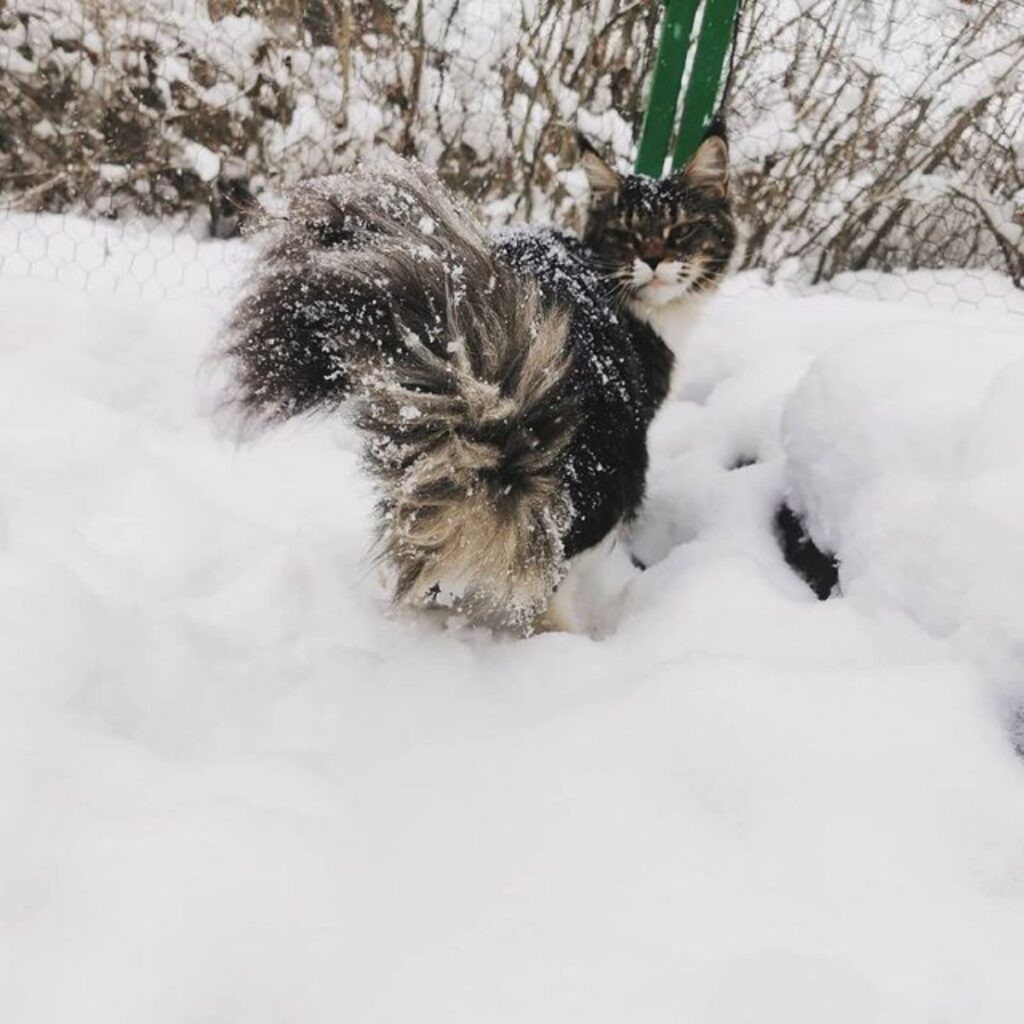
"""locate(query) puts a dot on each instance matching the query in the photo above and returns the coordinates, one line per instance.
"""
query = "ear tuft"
(718, 127)
(603, 181)
(708, 169)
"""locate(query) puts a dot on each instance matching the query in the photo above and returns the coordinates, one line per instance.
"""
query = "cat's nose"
(652, 261)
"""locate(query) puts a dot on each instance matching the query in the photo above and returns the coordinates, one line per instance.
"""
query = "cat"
(503, 385)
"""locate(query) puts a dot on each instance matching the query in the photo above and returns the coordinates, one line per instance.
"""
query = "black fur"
(619, 377)
(817, 568)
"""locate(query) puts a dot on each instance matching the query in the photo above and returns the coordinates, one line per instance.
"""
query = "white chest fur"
(674, 323)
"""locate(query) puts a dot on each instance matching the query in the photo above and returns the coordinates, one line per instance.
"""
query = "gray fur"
(381, 291)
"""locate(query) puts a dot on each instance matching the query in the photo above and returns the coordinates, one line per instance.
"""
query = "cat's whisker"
(619, 284)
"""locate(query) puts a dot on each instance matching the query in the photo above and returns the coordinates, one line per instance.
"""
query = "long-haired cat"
(504, 385)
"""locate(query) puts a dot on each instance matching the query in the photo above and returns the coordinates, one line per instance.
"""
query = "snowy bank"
(234, 787)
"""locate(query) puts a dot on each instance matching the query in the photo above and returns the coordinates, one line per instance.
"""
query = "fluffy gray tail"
(379, 290)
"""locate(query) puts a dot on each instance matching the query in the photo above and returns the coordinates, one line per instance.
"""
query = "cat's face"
(658, 241)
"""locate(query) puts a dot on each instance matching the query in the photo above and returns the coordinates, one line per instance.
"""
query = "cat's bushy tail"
(380, 291)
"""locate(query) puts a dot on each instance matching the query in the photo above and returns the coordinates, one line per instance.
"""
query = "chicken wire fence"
(876, 144)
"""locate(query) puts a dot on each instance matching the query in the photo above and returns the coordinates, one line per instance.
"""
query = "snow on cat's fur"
(504, 386)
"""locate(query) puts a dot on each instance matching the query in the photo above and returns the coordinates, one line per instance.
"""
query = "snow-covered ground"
(235, 788)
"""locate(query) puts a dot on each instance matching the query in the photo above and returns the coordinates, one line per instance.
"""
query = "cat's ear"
(603, 181)
(708, 169)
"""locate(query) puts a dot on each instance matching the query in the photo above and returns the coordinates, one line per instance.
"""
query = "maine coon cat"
(504, 385)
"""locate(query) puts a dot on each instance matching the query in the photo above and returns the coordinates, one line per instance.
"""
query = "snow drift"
(234, 788)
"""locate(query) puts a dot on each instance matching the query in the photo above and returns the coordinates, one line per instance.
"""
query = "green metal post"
(716, 33)
(665, 84)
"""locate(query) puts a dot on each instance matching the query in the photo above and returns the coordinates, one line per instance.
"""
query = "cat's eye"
(684, 234)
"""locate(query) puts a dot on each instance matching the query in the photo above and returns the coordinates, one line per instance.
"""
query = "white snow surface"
(235, 787)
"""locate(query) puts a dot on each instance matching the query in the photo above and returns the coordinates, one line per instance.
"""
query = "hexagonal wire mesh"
(877, 144)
